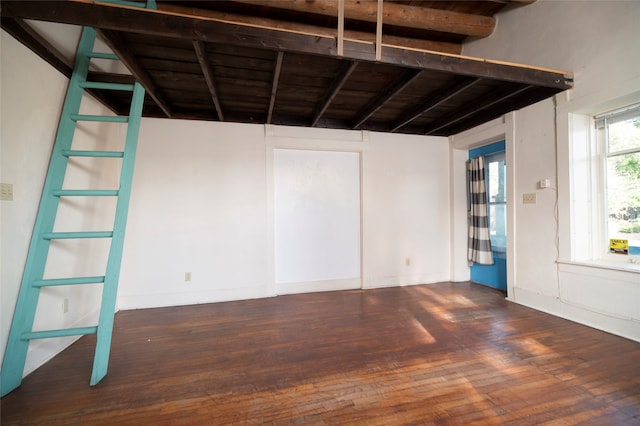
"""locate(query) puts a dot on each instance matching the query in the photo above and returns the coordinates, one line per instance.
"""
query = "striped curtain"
(479, 250)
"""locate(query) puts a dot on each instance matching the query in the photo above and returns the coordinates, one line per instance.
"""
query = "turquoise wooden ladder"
(33, 278)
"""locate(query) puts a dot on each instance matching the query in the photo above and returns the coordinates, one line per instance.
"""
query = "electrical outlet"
(529, 198)
(187, 276)
(6, 191)
(65, 305)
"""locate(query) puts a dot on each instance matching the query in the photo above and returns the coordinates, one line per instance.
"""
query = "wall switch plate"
(529, 198)
(6, 191)
(187, 276)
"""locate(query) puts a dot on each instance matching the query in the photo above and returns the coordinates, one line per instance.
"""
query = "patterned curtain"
(479, 250)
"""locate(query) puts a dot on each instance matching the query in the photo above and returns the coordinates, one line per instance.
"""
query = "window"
(618, 137)
(496, 194)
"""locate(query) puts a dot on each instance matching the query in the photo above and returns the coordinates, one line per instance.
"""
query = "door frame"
(492, 275)
(502, 128)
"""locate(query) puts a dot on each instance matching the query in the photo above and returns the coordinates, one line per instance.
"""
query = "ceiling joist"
(119, 47)
(274, 86)
(198, 46)
(343, 75)
(405, 79)
(488, 101)
(434, 100)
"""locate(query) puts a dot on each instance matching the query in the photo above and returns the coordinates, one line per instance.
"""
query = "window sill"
(606, 264)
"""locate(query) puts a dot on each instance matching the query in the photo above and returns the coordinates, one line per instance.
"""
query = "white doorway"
(316, 220)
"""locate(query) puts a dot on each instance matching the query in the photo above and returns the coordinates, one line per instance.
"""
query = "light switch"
(6, 191)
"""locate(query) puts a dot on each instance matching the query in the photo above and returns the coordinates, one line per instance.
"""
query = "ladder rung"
(101, 55)
(109, 154)
(69, 281)
(76, 235)
(140, 4)
(106, 86)
(78, 331)
(101, 118)
(85, 193)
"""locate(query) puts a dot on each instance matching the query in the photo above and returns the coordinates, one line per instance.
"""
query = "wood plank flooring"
(447, 353)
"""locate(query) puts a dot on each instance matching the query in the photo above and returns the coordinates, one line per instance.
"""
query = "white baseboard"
(160, 300)
(43, 350)
(404, 280)
(626, 328)
(317, 286)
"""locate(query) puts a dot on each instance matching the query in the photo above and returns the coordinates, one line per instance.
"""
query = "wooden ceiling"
(292, 62)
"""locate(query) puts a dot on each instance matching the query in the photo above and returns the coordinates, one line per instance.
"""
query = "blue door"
(495, 173)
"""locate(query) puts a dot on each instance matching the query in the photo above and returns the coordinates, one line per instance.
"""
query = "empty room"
(320, 212)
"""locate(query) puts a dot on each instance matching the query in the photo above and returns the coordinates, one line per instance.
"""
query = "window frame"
(600, 138)
(490, 158)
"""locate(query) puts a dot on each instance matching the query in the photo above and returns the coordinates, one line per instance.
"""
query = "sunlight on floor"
(424, 336)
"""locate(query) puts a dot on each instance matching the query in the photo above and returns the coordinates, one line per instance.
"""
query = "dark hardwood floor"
(432, 354)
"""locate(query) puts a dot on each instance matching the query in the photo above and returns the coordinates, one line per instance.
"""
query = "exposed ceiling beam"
(22, 31)
(413, 43)
(405, 79)
(274, 85)
(26, 35)
(488, 102)
(433, 101)
(394, 14)
(208, 76)
(165, 24)
(115, 41)
(343, 75)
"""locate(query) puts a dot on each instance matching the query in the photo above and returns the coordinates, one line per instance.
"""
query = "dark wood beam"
(527, 98)
(343, 75)
(165, 24)
(274, 85)
(275, 24)
(487, 102)
(405, 79)
(208, 76)
(459, 86)
(25, 34)
(394, 14)
(116, 42)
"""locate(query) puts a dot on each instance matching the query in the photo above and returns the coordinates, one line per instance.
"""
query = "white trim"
(406, 280)
(632, 268)
(556, 306)
(510, 159)
(181, 298)
(317, 286)
(313, 139)
(485, 134)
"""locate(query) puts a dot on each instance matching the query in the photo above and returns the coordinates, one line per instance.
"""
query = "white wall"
(597, 40)
(203, 201)
(32, 93)
(406, 210)
(198, 205)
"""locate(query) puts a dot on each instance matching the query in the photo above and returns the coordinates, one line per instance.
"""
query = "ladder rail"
(24, 314)
(21, 331)
(114, 261)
